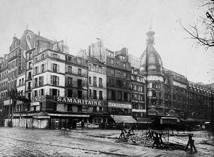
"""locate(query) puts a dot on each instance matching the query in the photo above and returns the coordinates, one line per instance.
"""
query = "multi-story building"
(4, 103)
(169, 93)
(97, 88)
(151, 68)
(138, 90)
(119, 86)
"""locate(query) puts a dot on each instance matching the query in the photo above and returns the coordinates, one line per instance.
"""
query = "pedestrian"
(191, 143)
(156, 140)
(82, 124)
(160, 139)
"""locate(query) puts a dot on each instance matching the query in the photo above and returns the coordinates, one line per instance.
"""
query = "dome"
(153, 60)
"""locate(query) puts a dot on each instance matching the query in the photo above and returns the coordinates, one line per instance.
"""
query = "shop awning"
(144, 120)
(41, 115)
(125, 119)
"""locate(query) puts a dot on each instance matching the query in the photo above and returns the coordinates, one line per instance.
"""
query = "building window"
(94, 94)
(55, 55)
(112, 72)
(35, 93)
(69, 93)
(101, 95)
(43, 56)
(54, 80)
(42, 68)
(70, 69)
(89, 67)
(112, 61)
(30, 65)
(94, 81)
(100, 82)
(35, 82)
(36, 70)
(119, 95)
(80, 72)
(42, 92)
(79, 94)
(55, 67)
(29, 75)
(100, 69)
(89, 80)
(70, 80)
(90, 93)
(41, 79)
(79, 83)
(54, 92)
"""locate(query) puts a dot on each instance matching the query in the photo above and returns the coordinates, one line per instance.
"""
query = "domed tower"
(151, 67)
(150, 59)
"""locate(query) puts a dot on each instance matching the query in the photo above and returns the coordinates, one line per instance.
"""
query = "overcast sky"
(120, 23)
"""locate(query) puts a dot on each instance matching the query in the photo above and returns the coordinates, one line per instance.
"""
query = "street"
(92, 142)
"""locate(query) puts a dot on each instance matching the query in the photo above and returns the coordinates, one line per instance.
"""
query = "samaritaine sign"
(69, 100)
(78, 101)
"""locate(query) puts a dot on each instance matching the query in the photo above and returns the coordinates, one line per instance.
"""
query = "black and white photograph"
(106, 78)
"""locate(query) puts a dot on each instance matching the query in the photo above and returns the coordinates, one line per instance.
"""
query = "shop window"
(79, 108)
(94, 109)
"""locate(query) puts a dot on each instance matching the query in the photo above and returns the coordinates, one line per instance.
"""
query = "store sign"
(39, 99)
(78, 101)
(67, 115)
(7, 102)
(179, 84)
(119, 105)
(155, 78)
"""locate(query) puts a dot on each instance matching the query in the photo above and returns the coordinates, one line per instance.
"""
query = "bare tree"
(203, 32)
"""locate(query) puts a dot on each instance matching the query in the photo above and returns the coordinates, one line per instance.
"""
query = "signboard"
(155, 78)
(67, 115)
(78, 101)
(179, 84)
(7, 102)
(119, 105)
(39, 99)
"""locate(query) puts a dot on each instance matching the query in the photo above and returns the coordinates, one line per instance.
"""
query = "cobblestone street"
(28, 142)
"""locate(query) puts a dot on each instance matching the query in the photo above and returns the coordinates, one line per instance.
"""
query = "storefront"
(67, 112)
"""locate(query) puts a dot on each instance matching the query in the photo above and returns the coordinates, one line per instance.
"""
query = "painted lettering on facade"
(155, 78)
(78, 101)
(119, 105)
(179, 84)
